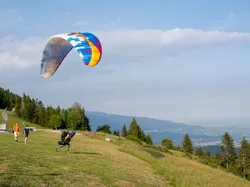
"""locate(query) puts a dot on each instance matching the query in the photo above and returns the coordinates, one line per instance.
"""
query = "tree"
(244, 158)
(208, 154)
(136, 132)
(124, 131)
(167, 143)
(187, 144)
(148, 140)
(77, 118)
(55, 121)
(199, 152)
(218, 158)
(228, 151)
(86, 124)
(41, 113)
(116, 132)
(218, 155)
(142, 135)
(18, 111)
(104, 128)
(65, 114)
(134, 129)
(49, 112)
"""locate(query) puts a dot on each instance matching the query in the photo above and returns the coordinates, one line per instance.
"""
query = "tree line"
(226, 158)
(34, 111)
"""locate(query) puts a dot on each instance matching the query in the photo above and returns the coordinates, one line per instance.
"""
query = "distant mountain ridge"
(117, 121)
(157, 128)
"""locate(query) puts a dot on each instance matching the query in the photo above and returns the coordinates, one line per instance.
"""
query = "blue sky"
(184, 61)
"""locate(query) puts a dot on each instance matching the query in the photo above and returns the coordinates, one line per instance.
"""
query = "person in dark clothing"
(26, 132)
(65, 140)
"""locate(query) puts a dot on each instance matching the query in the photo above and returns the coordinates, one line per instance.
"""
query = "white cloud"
(170, 37)
(10, 60)
(23, 53)
(17, 53)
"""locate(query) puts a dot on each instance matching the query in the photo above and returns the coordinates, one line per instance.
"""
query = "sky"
(185, 61)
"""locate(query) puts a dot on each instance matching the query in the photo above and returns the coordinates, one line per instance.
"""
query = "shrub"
(133, 138)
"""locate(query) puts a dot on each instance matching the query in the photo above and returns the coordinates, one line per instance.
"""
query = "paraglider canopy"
(58, 46)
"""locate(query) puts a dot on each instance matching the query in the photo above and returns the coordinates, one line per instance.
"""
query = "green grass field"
(92, 162)
(96, 162)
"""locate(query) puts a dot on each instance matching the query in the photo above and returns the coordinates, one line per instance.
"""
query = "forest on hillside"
(33, 110)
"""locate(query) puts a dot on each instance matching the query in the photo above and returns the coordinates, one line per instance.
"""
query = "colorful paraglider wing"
(88, 46)
(58, 46)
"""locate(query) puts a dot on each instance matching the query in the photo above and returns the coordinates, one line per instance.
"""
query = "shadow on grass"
(47, 174)
(9, 184)
(154, 153)
(38, 175)
(86, 153)
(6, 184)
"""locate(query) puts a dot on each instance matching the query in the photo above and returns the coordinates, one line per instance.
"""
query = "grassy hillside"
(95, 162)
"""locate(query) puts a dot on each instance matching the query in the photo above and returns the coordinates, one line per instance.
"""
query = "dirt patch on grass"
(3, 168)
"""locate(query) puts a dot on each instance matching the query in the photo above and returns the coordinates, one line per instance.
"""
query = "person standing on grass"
(65, 141)
(16, 129)
(26, 132)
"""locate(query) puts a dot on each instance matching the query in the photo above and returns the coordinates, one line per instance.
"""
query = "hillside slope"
(96, 162)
